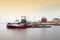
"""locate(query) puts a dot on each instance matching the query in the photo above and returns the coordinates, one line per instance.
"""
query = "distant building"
(56, 20)
(44, 20)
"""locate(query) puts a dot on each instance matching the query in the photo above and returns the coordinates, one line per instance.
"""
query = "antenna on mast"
(22, 11)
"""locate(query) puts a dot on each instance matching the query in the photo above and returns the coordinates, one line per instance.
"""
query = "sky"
(11, 10)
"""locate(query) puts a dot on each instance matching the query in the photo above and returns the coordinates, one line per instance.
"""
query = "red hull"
(23, 26)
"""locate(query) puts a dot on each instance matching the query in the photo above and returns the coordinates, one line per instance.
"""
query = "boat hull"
(11, 26)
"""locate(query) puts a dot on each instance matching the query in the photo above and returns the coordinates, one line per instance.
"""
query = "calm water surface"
(52, 33)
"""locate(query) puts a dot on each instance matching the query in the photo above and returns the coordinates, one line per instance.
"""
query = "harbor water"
(52, 33)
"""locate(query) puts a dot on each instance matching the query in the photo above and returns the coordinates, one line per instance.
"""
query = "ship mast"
(23, 18)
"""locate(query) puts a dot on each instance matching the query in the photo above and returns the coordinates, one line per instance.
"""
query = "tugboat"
(18, 24)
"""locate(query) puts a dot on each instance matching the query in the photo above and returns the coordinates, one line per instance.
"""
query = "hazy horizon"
(11, 10)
